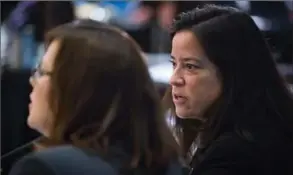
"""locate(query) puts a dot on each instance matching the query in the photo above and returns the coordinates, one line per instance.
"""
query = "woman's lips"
(30, 104)
(179, 100)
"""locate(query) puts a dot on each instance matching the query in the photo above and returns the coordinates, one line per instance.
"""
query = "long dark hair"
(253, 91)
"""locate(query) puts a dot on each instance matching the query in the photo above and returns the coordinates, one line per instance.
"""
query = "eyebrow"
(194, 58)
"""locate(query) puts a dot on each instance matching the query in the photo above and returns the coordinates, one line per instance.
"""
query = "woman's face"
(195, 82)
(40, 115)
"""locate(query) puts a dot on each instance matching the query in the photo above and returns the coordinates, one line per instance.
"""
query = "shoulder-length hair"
(253, 93)
(102, 94)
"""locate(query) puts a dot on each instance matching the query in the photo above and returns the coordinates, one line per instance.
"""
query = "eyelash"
(186, 65)
(190, 66)
(172, 62)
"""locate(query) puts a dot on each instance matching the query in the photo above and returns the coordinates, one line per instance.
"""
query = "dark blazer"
(264, 152)
(69, 160)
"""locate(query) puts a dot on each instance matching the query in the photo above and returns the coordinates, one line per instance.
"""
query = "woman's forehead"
(50, 55)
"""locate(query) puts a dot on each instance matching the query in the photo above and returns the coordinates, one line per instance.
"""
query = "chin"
(185, 114)
(29, 122)
(182, 114)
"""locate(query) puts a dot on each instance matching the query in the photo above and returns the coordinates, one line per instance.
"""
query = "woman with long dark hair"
(231, 111)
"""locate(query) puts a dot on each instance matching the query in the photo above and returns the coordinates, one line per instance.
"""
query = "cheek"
(205, 89)
(41, 92)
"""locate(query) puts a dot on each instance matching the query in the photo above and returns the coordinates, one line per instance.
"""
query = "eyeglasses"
(38, 72)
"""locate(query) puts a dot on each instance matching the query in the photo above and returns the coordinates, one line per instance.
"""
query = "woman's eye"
(191, 66)
(173, 63)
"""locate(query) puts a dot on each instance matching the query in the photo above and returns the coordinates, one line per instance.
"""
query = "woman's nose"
(176, 80)
(32, 81)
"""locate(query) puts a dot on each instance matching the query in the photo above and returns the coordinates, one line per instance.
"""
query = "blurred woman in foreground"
(96, 106)
(230, 109)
